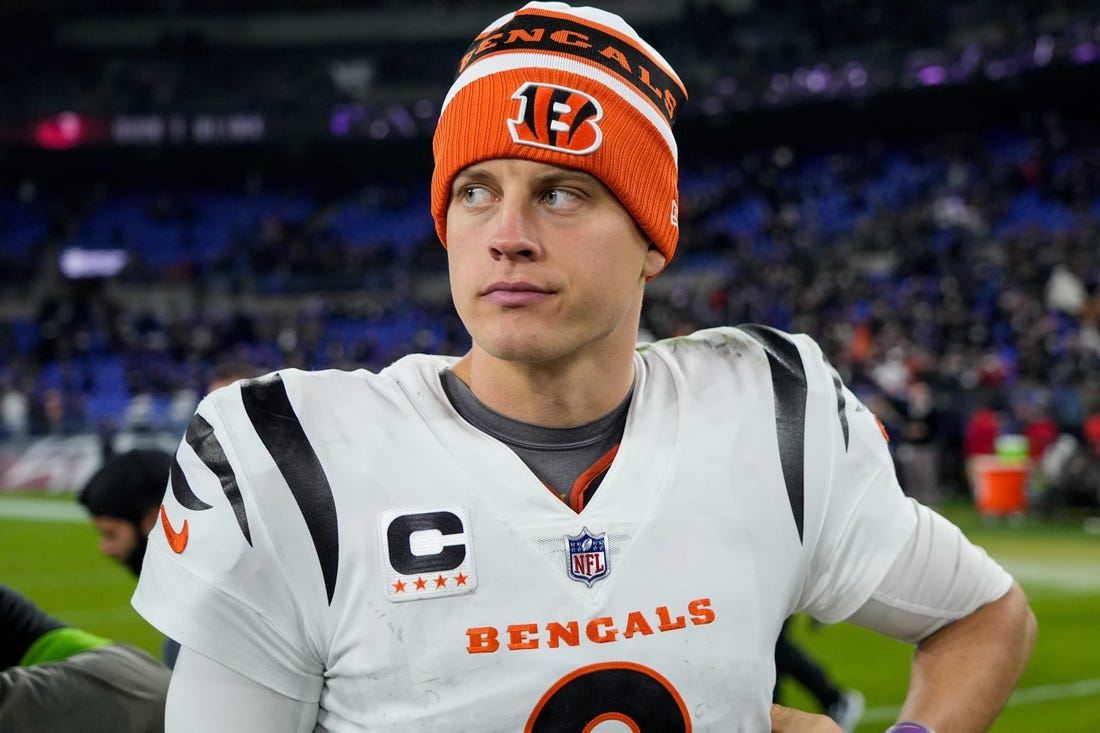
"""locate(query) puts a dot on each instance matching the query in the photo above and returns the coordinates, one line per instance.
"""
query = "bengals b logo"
(557, 118)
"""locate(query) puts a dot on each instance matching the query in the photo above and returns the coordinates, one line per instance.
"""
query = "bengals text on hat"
(550, 34)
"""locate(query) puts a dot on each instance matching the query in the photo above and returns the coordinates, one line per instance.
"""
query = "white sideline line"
(1042, 693)
(1073, 575)
(42, 510)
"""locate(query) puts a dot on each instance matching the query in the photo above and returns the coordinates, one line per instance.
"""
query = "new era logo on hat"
(575, 87)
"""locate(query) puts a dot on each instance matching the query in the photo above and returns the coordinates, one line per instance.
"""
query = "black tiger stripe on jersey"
(182, 490)
(200, 436)
(789, 385)
(840, 405)
(268, 407)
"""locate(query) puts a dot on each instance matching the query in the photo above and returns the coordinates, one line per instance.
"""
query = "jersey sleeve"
(937, 578)
(213, 576)
(864, 519)
(209, 697)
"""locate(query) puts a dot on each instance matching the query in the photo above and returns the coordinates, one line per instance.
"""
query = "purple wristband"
(908, 726)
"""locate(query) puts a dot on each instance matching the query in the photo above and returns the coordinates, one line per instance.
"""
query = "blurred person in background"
(56, 678)
(560, 527)
(55, 411)
(186, 399)
(793, 662)
(123, 498)
(1068, 474)
(227, 372)
(1039, 426)
(918, 450)
(980, 434)
(14, 411)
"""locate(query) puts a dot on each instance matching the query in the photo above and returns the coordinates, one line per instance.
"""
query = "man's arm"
(971, 624)
(962, 674)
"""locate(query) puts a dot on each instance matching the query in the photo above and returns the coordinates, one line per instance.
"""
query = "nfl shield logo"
(587, 556)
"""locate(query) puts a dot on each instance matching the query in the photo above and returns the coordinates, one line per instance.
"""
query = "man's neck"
(549, 394)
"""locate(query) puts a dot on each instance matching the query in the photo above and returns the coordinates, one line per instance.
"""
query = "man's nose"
(515, 233)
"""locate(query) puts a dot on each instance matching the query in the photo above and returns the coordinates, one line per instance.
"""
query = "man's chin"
(531, 346)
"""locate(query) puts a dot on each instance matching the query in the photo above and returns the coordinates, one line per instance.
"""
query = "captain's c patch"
(426, 554)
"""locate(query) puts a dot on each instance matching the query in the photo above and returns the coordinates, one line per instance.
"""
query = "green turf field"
(57, 563)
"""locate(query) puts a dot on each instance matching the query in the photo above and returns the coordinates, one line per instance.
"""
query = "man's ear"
(654, 262)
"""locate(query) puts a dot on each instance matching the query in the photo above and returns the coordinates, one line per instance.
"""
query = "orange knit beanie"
(570, 86)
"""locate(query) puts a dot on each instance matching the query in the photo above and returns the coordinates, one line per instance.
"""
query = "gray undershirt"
(557, 456)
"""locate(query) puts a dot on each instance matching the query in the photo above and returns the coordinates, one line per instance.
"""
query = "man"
(349, 551)
(226, 372)
(123, 498)
(1069, 473)
(55, 678)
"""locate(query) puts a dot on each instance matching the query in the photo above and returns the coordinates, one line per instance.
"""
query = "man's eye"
(560, 197)
(473, 195)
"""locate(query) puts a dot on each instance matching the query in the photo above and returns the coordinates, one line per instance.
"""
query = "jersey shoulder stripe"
(181, 488)
(200, 436)
(841, 403)
(268, 407)
(789, 387)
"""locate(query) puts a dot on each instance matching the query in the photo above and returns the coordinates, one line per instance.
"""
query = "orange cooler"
(1001, 486)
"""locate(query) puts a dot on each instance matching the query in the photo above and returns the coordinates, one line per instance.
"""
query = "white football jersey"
(346, 537)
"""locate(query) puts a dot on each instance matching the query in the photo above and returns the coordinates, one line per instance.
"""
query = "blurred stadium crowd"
(212, 70)
(949, 275)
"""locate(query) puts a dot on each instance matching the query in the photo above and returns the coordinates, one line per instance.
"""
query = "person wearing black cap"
(123, 498)
(55, 678)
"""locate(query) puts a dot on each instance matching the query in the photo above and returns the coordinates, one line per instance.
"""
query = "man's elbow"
(1007, 623)
(1020, 610)
(1013, 615)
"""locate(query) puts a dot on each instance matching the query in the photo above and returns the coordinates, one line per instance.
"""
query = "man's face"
(544, 261)
(122, 540)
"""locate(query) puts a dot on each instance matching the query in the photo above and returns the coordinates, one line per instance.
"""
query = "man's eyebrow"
(564, 175)
(473, 173)
(469, 177)
(557, 177)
